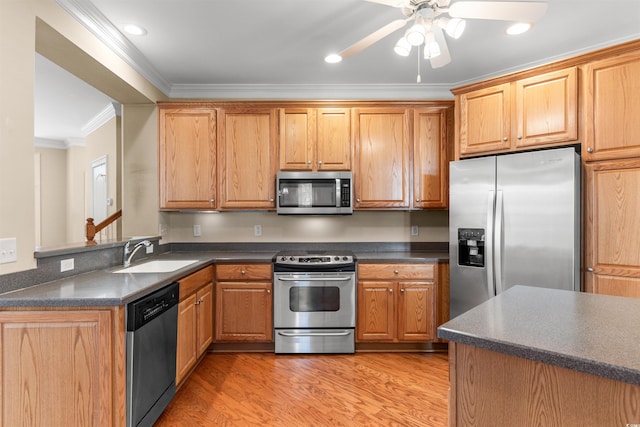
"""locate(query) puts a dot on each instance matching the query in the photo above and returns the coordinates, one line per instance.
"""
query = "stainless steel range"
(314, 308)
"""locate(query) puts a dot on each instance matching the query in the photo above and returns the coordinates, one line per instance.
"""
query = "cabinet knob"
(271, 199)
(402, 290)
(268, 291)
(590, 269)
(358, 200)
(504, 138)
(390, 290)
(319, 162)
(590, 150)
(519, 136)
(197, 302)
(417, 200)
(243, 272)
(396, 272)
(308, 162)
(212, 201)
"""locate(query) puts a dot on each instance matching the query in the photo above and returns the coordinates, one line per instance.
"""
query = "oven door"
(314, 300)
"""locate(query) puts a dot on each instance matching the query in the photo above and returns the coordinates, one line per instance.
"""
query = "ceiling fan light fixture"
(402, 47)
(415, 35)
(431, 47)
(518, 28)
(332, 58)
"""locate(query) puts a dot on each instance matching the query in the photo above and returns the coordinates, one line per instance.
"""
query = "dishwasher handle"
(149, 307)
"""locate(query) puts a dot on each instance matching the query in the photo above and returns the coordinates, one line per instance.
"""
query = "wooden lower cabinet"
(396, 302)
(62, 367)
(244, 303)
(195, 320)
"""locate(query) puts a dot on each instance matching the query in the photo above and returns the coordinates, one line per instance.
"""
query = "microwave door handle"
(338, 193)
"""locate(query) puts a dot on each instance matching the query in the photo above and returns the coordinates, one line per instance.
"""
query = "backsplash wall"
(370, 226)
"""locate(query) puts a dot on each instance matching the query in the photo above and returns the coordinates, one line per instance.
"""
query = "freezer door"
(471, 204)
(538, 220)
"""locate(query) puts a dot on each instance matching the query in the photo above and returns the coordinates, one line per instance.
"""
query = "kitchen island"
(536, 356)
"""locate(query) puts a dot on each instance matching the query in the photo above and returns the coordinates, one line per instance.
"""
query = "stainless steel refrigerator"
(514, 220)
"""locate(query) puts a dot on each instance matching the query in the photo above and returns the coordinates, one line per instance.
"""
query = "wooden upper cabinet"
(382, 166)
(315, 139)
(612, 202)
(430, 158)
(546, 108)
(187, 158)
(485, 120)
(247, 146)
(611, 107)
(531, 112)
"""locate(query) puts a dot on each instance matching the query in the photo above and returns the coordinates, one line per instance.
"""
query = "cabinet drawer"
(195, 281)
(243, 272)
(396, 271)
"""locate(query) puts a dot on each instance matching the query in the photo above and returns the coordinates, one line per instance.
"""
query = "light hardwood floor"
(264, 389)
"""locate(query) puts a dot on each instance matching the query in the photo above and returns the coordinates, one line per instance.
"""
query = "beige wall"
(359, 227)
(53, 196)
(59, 37)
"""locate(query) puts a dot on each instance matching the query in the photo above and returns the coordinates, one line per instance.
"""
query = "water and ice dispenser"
(471, 247)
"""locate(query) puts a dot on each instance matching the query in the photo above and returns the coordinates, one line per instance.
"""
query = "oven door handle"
(313, 279)
(314, 334)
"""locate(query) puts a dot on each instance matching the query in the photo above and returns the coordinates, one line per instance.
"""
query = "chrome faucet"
(130, 252)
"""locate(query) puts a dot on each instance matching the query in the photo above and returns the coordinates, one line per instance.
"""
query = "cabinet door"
(430, 159)
(376, 312)
(204, 299)
(187, 158)
(244, 311)
(247, 141)
(611, 108)
(57, 368)
(333, 148)
(611, 222)
(297, 138)
(485, 120)
(382, 158)
(546, 109)
(416, 315)
(187, 348)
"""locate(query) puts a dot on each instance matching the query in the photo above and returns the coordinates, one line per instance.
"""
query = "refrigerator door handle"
(498, 240)
(489, 243)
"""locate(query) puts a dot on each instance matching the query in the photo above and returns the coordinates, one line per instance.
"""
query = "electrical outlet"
(197, 232)
(149, 248)
(257, 230)
(66, 265)
(414, 230)
(8, 251)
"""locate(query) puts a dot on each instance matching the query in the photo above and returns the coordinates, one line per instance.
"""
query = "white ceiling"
(276, 48)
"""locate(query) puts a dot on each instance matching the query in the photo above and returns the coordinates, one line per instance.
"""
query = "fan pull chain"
(419, 78)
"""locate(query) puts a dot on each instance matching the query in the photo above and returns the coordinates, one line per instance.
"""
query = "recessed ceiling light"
(518, 28)
(134, 30)
(333, 58)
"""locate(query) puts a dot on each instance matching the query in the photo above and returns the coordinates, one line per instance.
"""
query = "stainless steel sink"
(157, 266)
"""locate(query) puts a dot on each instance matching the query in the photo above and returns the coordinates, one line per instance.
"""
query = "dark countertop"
(105, 288)
(595, 334)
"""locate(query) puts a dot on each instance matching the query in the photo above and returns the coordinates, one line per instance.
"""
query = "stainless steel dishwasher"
(152, 328)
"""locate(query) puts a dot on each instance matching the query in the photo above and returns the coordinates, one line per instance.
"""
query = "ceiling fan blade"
(445, 57)
(374, 37)
(499, 10)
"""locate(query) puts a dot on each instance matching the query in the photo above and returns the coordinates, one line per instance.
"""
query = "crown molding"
(313, 91)
(92, 19)
(59, 144)
(108, 113)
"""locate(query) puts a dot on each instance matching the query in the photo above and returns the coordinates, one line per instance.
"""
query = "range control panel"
(290, 259)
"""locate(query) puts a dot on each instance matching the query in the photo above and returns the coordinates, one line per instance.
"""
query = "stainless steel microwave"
(314, 193)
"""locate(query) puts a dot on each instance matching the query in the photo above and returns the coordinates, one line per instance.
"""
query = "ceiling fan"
(431, 17)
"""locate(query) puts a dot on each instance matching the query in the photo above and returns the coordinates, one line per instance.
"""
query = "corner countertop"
(105, 288)
(594, 334)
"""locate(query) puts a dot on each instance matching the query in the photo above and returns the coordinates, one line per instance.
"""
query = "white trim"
(313, 91)
(108, 113)
(49, 143)
(75, 142)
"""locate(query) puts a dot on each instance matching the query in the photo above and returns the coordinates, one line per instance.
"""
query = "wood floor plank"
(265, 389)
